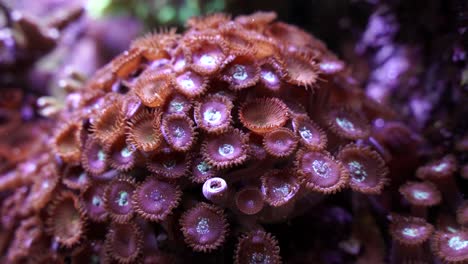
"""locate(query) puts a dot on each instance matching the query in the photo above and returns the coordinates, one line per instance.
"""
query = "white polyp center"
(45, 185)
(122, 198)
(169, 164)
(451, 229)
(96, 201)
(258, 257)
(212, 115)
(283, 190)
(321, 168)
(411, 232)
(203, 226)
(345, 123)
(279, 142)
(440, 167)
(203, 167)
(101, 155)
(269, 77)
(457, 243)
(420, 195)
(305, 133)
(186, 82)
(177, 106)
(226, 150)
(357, 170)
(125, 152)
(179, 132)
(331, 66)
(240, 73)
(208, 60)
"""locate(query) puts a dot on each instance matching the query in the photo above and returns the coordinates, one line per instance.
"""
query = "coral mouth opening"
(202, 171)
(226, 150)
(411, 231)
(257, 247)
(169, 165)
(280, 142)
(311, 135)
(93, 203)
(118, 199)
(321, 172)
(366, 168)
(94, 159)
(451, 247)
(279, 187)
(207, 57)
(348, 123)
(421, 193)
(179, 131)
(241, 73)
(249, 200)
(204, 227)
(191, 84)
(122, 156)
(154, 199)
(124, 242)
(213, 114)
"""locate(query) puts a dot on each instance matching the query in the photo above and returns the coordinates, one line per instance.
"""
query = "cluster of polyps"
(235, 119)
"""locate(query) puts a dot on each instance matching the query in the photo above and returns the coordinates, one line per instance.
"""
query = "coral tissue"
(203, 145)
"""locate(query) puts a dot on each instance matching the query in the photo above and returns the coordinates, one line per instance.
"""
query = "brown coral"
(264, 114)
(144, 131)
(109, 124)
(66, 222)
(222, 113)
(67, 142)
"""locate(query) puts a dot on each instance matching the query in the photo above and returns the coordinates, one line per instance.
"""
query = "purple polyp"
(95, 203)
(215, 190)
(179, 133)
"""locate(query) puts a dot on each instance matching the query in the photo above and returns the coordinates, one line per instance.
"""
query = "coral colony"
(242, 141)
